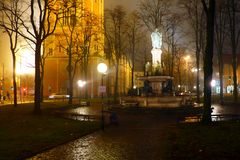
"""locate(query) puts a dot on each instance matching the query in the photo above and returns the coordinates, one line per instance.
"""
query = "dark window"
(73, 20)
(50, 52)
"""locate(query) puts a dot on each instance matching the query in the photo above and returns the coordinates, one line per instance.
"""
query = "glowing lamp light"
(81, 83)
(213, 83)
(187, 57)
(102, 68)
(25, 62)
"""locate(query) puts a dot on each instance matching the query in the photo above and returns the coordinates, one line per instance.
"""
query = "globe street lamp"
(102, 68)
(81, 84)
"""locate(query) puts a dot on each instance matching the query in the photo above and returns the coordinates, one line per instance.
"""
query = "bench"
(215, 117)
(194, 118)
(75, 116)
(85, 103)
(129, 103)
(221, 117)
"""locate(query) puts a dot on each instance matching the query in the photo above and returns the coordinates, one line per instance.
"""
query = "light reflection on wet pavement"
(90, 110)
(137, 137)
(225, 109)
(89, 147)
(225, 112)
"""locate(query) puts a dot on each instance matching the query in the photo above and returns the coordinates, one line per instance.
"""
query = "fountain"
(157, 90)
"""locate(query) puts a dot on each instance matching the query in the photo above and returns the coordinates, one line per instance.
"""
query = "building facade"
(79, 33)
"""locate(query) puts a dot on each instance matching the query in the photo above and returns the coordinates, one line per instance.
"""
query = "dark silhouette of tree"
(209, 8)
(69, 40)
(232, 9)
(115, 22)
(38, 23)
(153, 12)
(134, 34)
(172, 36)
(220, 36)
(196, 19)
(10, 24)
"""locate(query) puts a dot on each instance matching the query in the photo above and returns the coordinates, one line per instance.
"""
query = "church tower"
(80, 33)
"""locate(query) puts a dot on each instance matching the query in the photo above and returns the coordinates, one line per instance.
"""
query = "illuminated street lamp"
(187, 58)
(102, 68)
(24, 61)
(81, 84)
(213, 83)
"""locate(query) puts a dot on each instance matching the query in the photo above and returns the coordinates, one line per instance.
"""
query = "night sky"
(128, 4)
(4, 47)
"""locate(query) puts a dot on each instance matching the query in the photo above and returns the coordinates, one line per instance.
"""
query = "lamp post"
(81, 84)
(102, 68)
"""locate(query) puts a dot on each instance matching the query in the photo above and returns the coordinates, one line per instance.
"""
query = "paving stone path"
(138, 137)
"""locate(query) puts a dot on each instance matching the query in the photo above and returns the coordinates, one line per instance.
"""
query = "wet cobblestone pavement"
(138, 137)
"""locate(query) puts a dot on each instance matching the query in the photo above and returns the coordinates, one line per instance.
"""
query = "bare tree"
(69, 39)
(195, 14)
(115, 18)
(108, 50)
(152, 13)
(172, 36)
(134, 35)
(220, 36)
(209, 8)
(180, 53)
(90, 38)
(37, 24)
(232, 9)
(10, 24)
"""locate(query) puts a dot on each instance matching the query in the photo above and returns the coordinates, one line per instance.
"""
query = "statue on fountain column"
(156, 39)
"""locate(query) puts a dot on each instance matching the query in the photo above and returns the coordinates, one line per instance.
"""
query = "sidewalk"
(138, 136)
(145, 135)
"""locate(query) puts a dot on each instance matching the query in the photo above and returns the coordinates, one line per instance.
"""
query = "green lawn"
(195, 141)
(23, 134)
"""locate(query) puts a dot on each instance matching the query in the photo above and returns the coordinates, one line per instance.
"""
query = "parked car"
(58, 96)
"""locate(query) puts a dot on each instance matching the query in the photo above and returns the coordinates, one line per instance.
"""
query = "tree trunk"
(42, 76)
(86, 75)
(116, 83)
(108, 79)
(234, 41)
(234, 65)
(133, 64)
(37, 97)
(198, 73)
(70, 80)
(221, 78)
(210, 12)
(14, 81)
(173, 52)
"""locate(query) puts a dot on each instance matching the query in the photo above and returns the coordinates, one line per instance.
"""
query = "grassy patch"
(23, 134)
(198, 141)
